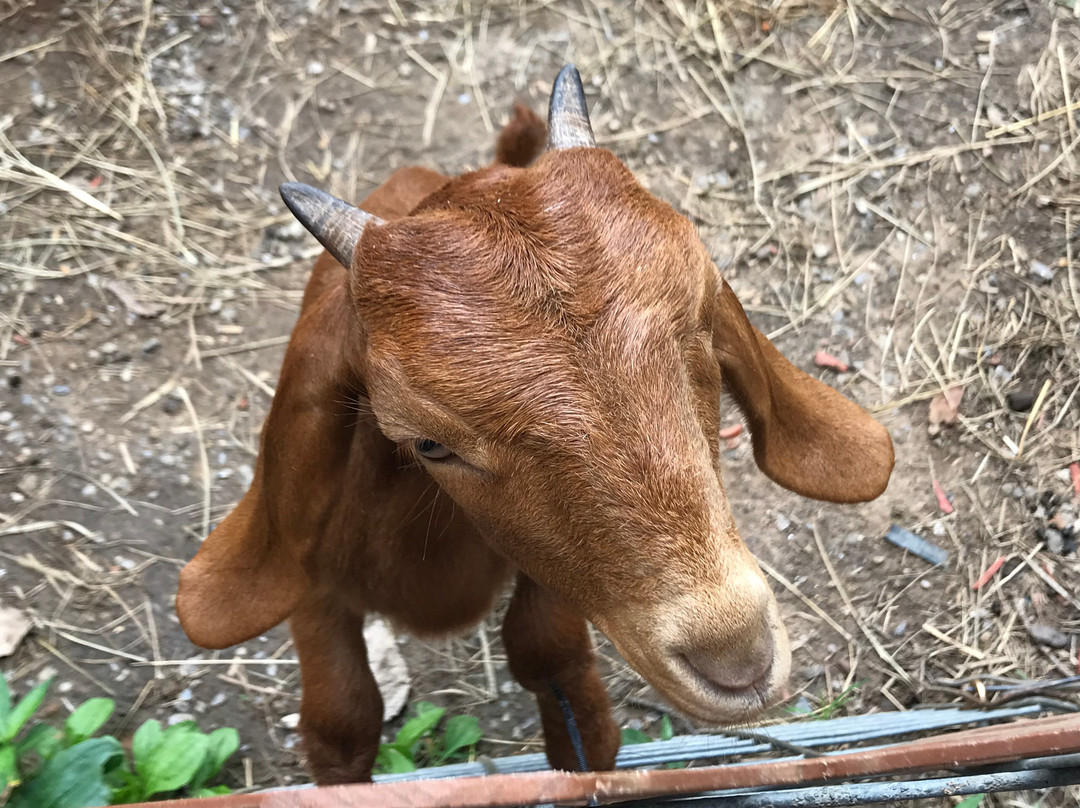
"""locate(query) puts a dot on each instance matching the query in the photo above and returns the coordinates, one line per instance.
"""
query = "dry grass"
(890, 173)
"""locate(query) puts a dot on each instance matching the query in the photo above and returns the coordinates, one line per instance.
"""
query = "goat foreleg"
(549, 651)
(341, 710)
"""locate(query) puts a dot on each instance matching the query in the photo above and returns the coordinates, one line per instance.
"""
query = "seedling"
(418, 742)
(70, 768)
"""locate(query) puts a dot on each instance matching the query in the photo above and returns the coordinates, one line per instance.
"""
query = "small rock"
(388, 667)
(171, 404)
(811, 672)
(901, 629)
(179, 718)
(14, 625)
(782, 523)
(1041, 271)
(151, 345)
(1055, 542)
(1020, 400)
(290, 721)
(822, 250)
(61, 390)
(1048, 635)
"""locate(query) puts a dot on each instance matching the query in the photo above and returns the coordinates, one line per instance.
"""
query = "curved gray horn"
(568, 117)
(336, 224)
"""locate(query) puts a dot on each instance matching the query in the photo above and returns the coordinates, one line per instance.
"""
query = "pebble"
(822, 250)
(151, 345)
(179, 718)
(1048, 635)
(218, 699)
(290, 721)
(61, 390)
(1055, 542)
(1041, 271)
(1020, 400)
(782, 523)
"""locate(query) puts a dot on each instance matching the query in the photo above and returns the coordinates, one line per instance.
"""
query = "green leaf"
(221, 743)
(73, 777)
(87, 719)
(42, 739)
(390, 761)
(9, 769)
(213, 791)
(461, 732)
(5, 700)
(26, 707)
(174, 761)
(667, 731)
(974, 801)
(126, 787)
(428, 715)
(145, 739)
(632, 736)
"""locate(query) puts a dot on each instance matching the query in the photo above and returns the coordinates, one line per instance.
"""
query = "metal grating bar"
(844, 794)
(849, 729)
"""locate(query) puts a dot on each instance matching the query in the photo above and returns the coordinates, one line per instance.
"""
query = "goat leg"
(548, 649)
(341, 710)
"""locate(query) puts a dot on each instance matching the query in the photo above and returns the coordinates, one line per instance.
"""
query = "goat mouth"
(700, 697)
(743, 702)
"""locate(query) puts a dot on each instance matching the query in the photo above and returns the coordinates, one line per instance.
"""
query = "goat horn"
(568, 117)
(335, 223)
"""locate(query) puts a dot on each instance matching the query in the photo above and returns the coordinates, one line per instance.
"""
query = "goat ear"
(248, 575)
(807, 437)
(335, 223)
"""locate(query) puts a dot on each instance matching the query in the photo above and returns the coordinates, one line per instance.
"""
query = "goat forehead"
(558, 242)
(626, 383)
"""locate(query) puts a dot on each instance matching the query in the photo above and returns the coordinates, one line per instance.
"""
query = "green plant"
(419, 743)
(974, 801)
(667, 732)
(70, 768)
(829, 709)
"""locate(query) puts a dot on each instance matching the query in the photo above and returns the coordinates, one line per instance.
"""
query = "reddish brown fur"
(566, 334)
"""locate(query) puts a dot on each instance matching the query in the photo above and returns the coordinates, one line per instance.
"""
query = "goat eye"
(425, 447)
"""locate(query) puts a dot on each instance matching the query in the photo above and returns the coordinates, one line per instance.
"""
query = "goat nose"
(735, 666)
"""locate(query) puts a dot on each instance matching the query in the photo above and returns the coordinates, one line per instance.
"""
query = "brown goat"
(517, 372)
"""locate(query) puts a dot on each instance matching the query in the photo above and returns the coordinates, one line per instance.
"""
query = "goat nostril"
(735, 668)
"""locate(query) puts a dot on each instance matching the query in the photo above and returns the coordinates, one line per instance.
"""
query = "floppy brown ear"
(248, 576)
(807, 437)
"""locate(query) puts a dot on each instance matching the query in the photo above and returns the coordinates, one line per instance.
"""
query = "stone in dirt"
(1048, 635)
(388, 667)
(14, 625)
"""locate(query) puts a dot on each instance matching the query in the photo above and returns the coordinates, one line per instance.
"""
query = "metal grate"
(808, 735)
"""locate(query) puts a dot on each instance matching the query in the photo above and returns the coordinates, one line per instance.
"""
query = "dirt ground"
(893, 183)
